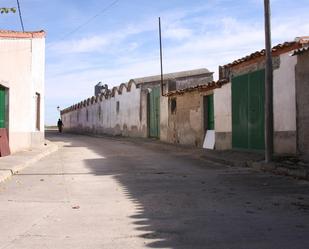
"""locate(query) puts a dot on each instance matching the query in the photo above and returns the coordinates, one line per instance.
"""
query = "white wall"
(223, 108)
(285, 105)
(284, 108)
(164, 118)
(126, 122)
(22, 63)
(284, 94)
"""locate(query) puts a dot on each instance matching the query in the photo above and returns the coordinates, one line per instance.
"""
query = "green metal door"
(154, 113)
(256, 115)
(211, 112)
(2, 107)
(248, 111)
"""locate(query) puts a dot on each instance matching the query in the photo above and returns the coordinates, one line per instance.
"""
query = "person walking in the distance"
(60, 125)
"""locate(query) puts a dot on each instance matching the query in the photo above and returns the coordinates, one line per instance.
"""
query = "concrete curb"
(15, 163)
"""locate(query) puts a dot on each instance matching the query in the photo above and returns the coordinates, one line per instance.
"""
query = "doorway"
(2, 107)
(248, 111)
(154, 112)
(209, 113)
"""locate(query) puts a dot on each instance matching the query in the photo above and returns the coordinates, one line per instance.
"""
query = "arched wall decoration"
(107, 94)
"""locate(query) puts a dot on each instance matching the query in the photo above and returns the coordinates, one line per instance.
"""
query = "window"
(37, 111)
(99, 112)
(117, 107)
(173, 106)
(87, 115)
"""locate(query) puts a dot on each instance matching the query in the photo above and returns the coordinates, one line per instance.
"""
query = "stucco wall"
(185, 125)
(223, 117)
(302, 97)
(285, 105)
(22, 65)
(102, 116)
(164, 120)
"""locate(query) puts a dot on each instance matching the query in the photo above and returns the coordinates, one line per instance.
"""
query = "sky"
(114, 41)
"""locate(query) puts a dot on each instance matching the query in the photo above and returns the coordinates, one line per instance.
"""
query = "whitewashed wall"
(103, 117)
(285, 105)
(22, 64)
(223, 117)
(222, 108)
(284, 109)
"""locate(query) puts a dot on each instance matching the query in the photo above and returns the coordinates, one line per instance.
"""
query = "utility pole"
(161, 63)
(20, 17)
(269, 115)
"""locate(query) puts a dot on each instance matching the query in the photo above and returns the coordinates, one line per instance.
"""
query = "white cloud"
(177, 33)
(190, 42)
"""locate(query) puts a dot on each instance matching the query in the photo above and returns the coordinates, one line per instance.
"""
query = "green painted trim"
(211, 112)
(2, 108)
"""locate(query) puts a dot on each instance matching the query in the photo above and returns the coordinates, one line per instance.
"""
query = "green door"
(2, 107)
(248, 111)
(211, 112)
(154, 113)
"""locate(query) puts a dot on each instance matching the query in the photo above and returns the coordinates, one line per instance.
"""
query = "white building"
(22, 69)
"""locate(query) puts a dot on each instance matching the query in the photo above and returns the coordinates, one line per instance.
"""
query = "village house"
(138, 108)
(156, 105)
(22, 67)
(193, 109)
(239, 105)
(191, 118)
(302, 99)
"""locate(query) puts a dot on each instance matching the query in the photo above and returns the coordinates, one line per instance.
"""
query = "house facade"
(156, 104)
(302, 99)
(22, 69)
(239, 105)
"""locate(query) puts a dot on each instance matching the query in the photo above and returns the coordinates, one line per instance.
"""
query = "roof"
(201, 88)
(300, 51)
(276, 50)
(176, 75)
(99, 84)
(302, 39)
(21, 35)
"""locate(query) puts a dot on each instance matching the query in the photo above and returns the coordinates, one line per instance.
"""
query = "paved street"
(115, 193)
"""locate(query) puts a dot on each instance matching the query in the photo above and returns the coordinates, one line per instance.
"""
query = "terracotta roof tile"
(275, 50)
(300, 51)
(205, 87)
(21, 35)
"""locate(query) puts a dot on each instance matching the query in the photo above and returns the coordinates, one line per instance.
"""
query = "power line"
(90, 19)
(20, 17)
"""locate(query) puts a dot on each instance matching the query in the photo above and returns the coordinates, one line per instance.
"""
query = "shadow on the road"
(183, 204)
